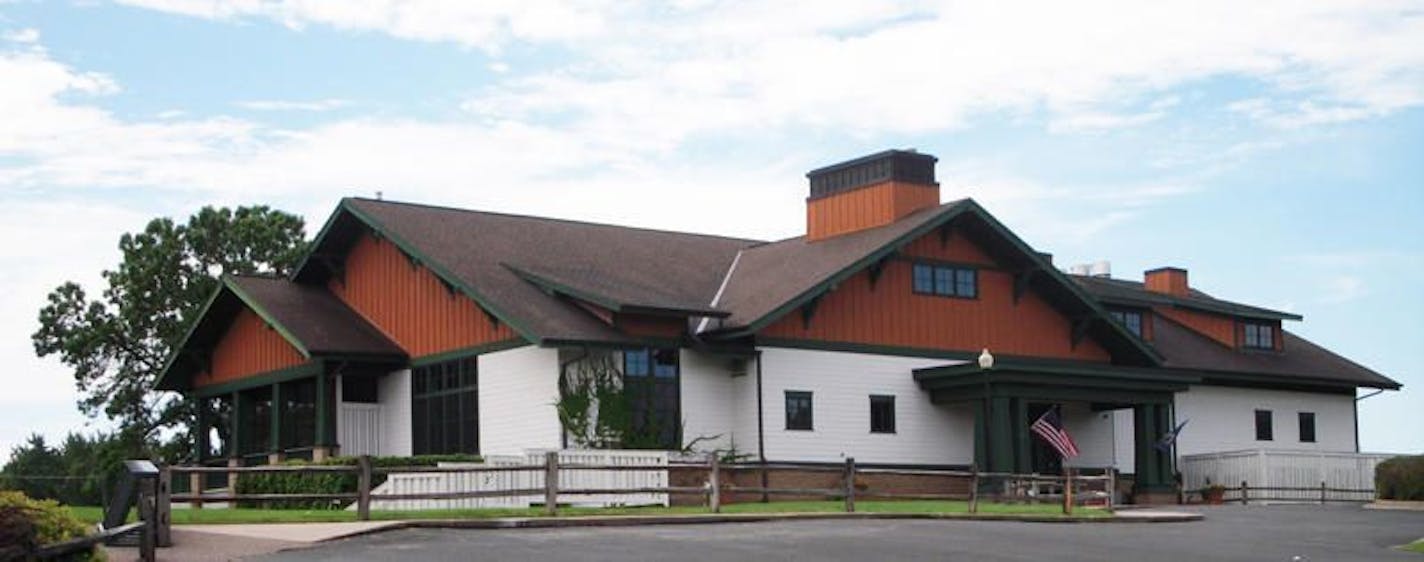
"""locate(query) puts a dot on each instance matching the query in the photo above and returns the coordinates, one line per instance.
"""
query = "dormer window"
(1130, 319)
(945, 281)
(1258, 336)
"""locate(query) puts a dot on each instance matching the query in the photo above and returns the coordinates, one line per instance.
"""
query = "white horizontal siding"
(1224, 419)
(393, 393)
(1093, 432)
(518, 390)
(841, 385)
(706, 394)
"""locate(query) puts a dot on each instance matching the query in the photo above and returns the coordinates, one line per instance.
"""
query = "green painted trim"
(266, 316)
(871, 349)
(276, 411)
(1029, 370)
(176, 351)
(324, 410)
(631, 343)
(467, 352)
(437, 268)
(1041, 393)
(316, 242)
(261, 379)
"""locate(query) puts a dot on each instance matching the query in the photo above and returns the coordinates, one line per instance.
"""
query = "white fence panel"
(569, 478)
(358, 428)
(1261, 468)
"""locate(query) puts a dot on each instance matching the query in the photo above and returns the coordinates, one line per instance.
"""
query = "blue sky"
(1271, 150)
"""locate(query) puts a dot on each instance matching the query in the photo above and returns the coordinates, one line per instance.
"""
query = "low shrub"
(323, 483)
(1400, 478)
(27, 523)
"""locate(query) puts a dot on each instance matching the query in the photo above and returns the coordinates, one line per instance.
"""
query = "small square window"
(1263, 426)
(1307, 426)
(882, 414)
(1258, 336)
(798, 410)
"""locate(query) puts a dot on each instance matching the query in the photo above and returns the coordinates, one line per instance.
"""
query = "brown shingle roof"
(316, 318)
(1135, 293)
(1183, 348)
(480, 248)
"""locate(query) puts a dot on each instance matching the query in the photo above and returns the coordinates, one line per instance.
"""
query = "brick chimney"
(1169, 280)
(870, 191)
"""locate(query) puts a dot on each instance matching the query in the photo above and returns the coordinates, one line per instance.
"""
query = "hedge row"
(1400, 478)
(26, 524)
(326, 483)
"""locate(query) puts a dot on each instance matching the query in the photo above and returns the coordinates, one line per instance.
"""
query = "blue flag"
(1165, 443)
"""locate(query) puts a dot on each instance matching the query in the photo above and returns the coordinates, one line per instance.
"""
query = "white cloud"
(27, 35)
(294, 105)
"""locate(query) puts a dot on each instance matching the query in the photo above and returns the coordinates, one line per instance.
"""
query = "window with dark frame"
(445, 417)
(1263, 426)
(945, 280)
(882, 414)
(1130, 319)
(1307, 426)
(798, 410)
(651, 383)
(1258, 336)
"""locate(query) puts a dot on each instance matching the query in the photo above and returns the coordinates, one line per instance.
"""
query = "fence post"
(1112, 487)
(1067, 491)
(850, 484)
(974, 488)
(162, 516)
(363, 488)
(146, 537)
(714, 492)
(551, 483)
(1322, 492)
(1245, 493)
(195, 487)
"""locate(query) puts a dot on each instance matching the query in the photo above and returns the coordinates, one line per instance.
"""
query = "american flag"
(1049, 428)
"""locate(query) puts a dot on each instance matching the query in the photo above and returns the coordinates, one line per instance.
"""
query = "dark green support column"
(1022, 456)
(1148, 424)
(981, 435)
(276, 445)
(235, 430)
(200, 430)
(1001, 435)
(323, 411)
(1164, 459)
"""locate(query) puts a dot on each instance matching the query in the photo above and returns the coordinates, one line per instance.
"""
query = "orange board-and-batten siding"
(248, 347)
(866, 207)
(892, 314)
(409, 303)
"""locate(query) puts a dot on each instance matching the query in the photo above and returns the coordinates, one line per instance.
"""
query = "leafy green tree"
(118, 343)
(32, 469)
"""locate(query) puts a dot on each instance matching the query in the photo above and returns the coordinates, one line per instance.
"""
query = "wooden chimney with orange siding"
(1168, 280)
(867, 192)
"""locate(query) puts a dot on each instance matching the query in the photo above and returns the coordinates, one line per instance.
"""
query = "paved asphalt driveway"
(1229, 533)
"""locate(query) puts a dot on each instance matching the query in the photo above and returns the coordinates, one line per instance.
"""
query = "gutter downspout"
(761, 430)
(1356, 412)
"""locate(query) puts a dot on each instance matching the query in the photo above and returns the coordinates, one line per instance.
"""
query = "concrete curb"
(698, 519)
(1396, 505)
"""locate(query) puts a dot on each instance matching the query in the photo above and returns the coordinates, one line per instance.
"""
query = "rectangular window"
(651, 385)
(1130, 319)
(798, 410)
(1258, 336)
(924, 279)
(945, 281)
(882, 414)
(356, 388)
(1307, 426)
(1263, 425)
(445, 408)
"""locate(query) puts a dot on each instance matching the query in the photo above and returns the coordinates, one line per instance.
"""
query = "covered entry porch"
(1008, 397)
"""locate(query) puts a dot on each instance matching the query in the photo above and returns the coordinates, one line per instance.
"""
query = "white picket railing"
(1266, 469)
(569, 478)
(358, 428)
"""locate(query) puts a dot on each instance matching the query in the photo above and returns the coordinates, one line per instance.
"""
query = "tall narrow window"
(882, 414)
(1258, 336)
(445, 416)
(651, 385)
(1307, 426)
(798, 410)
(1263, 425)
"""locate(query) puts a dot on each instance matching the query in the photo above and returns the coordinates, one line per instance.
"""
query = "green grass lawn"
(183, 516)
(1416, 546)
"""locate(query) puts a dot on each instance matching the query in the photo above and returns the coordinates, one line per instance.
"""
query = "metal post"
(714, 483)
(551, 483)
(974, 488)
(1068, 491)
(163, 509)
(1245, 493)
(363, 488)
(850, 484)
